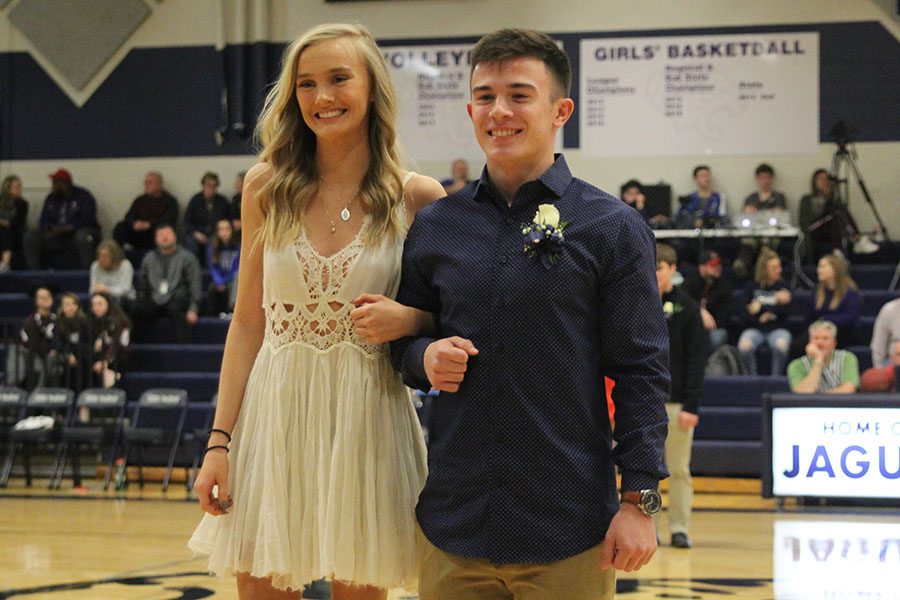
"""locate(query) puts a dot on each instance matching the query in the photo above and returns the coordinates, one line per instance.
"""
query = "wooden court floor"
(89, 544)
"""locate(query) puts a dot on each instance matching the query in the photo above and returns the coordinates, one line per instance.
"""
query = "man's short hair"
(826, 325)
(209, 175)
(765, 168)
(666, 254)
(699, 168)
(510, 44)
(631, 183)
(164, 225)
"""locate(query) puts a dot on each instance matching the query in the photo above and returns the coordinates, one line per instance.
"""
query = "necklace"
(345, 213)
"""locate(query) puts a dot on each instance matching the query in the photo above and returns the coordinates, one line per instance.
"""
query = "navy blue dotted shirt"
(520, 465)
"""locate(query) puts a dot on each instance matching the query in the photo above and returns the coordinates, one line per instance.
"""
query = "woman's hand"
(378, 319)
(754, 307)
(214, 472)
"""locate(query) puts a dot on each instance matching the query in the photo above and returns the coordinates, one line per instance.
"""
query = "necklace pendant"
(345, 214)
(332, 228)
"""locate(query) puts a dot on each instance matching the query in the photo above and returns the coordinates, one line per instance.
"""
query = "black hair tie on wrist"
(222, 431)
(225, 448)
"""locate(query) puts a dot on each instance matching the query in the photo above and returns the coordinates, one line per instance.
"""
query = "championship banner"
(695, 95)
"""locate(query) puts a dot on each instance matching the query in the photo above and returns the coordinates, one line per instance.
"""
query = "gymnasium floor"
(94, 545)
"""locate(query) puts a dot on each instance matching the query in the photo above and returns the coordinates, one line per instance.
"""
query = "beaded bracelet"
(225, 448)
(222, 431)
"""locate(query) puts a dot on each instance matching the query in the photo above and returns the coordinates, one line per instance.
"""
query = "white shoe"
(865, 246)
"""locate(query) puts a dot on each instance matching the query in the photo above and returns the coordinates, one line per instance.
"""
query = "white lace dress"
(327, 458)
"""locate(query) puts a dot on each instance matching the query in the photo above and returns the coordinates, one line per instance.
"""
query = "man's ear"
(565, 107)
(469, 108)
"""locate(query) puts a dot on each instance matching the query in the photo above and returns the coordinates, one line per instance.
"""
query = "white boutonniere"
(670, 308)
(544, 235)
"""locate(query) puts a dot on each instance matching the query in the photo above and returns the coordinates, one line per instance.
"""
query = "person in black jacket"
(205, 209)
(687, 359)
(714, 294)
(148, 210)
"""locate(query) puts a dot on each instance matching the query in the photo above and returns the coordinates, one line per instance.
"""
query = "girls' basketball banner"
(694, 95)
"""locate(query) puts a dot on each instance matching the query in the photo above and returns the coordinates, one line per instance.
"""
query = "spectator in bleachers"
(72, 341)
(632, 194)
(836, 299)
(824, 369)
(223, 258)
(687, 358)
(68, 223)
(205, 209)
(154, 206)
(886, 333)
(168, 286)
(236, 201)
(764, 198)
(113, 274)
(704, 207)
(13, 215)
(714, 294)
(459, 176)
(111, 339)
(765, 312)
(36, 337)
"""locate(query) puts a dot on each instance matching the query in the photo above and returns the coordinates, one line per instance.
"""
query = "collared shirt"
(520, 460)
(842, 367)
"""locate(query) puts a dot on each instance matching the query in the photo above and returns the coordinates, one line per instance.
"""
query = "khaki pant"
(678, 463)
(444, 576)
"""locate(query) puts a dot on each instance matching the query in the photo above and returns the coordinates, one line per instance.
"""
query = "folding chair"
(157, 421)
(199, 439)
(56, 403)
(96, 424)
(12, 404)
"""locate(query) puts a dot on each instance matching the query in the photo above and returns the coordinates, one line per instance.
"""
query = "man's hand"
(201, 238)
(191, 317)
(141, 225)
(709, 321)
(813, 352)
(688, 420)
(630, 540)
(446, 360)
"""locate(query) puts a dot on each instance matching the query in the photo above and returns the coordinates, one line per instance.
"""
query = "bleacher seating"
(728, 439)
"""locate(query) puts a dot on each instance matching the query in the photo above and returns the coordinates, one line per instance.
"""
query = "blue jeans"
(779, 341)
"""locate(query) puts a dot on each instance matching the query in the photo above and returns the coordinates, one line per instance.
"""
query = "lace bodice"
(306, 296)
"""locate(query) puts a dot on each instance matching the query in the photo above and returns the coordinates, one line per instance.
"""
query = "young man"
(687, 359)
(824, 369)
(533, 277)
(704, 207)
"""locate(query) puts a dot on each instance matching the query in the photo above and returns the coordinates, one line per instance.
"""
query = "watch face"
(651, 501)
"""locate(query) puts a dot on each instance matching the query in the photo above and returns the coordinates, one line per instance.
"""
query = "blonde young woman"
(316, 458)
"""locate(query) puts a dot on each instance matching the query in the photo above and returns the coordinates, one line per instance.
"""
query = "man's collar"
(556, 179)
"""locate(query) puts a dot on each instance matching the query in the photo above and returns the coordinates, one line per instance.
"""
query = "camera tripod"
(843, 165)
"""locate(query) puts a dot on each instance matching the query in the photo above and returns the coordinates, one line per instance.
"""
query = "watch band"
(633, 497)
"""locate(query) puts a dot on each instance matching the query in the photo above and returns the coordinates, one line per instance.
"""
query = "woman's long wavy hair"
(842, 282)
(762, 265)
(289, 146)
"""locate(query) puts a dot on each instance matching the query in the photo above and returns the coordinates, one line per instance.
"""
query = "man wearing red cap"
(68, 223)
(714, 294)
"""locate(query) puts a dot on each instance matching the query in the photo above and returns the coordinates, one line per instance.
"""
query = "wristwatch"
(648, 501)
